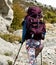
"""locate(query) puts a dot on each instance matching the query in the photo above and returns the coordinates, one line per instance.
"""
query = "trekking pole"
(41, 58)
(17, 53)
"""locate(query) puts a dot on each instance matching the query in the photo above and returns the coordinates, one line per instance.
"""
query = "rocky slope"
(6, 15)
(8, 51)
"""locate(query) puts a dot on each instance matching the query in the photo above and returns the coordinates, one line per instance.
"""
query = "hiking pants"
(31, 44)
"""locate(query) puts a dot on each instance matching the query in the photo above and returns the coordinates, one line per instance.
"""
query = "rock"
(6, 15)
(7, 48)
(8, 51)
(48, 25)
(54, 24)
(5, 60)
(18, 33)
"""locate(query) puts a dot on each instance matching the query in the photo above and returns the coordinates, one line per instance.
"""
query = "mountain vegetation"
(10, 37)
(19, 12)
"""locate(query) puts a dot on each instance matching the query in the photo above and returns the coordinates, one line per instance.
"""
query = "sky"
(48, 2)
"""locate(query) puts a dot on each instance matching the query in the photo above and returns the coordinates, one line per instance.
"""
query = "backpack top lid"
(34, 11)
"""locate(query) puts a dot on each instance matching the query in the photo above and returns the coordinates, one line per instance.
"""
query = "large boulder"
(8, 52)
(6, 15)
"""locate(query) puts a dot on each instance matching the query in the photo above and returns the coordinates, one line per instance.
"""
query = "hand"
(21, 42)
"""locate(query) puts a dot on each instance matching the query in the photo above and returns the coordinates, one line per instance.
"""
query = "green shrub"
(50, 16)
(7, 54)
(10, 37)
(19, 14)
(9, 62)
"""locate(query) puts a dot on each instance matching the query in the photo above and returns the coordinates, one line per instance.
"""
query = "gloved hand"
(21, 42)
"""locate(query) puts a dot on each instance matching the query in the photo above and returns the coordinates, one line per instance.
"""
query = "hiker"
(34, 31)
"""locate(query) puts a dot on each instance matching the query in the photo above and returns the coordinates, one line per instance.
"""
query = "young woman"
(34, 31)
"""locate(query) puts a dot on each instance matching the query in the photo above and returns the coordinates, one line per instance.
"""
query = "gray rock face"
(6, 15)
(8, 51)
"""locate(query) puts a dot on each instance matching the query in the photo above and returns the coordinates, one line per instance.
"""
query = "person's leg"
(31, 54)
(38, 50)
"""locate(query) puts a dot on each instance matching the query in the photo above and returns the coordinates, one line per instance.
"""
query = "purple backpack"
(33, 23)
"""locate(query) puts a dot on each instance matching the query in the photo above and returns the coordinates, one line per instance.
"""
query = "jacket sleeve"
(24, 31)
